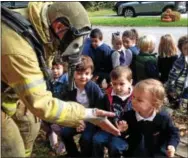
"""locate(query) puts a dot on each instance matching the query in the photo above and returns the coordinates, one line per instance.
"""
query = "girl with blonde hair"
(167, 55)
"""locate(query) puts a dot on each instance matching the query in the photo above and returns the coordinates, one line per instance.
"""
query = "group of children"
(125, 88)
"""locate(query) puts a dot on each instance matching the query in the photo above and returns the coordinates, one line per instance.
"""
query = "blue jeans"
(116, 145)
(85, 141)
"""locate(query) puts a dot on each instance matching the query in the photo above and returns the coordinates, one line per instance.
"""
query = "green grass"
(101, 12)
(138, 21)
(98, 18)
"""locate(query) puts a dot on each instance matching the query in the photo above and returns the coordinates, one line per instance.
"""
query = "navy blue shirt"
(101, 57)
(93, 92)
(157, 134)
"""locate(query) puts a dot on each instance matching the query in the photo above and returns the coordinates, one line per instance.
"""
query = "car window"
(15, 5)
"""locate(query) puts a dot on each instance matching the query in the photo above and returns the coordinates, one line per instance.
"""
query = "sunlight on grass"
(138, 21)
(102, 12)
(111, 19)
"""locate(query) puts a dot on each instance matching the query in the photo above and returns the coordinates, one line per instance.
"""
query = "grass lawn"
(102, 12)
(98, 18)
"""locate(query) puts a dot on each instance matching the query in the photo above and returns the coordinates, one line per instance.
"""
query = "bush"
(94, 6)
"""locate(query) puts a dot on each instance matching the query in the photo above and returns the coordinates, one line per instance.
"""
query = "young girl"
(120, 56)
(167, 55)
(129, 39)
(151, 131)
(177, 84)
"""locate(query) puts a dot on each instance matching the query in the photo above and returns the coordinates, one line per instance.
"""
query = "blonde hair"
(167, 46)
(156, 89)
(146, 44)
(121, 71)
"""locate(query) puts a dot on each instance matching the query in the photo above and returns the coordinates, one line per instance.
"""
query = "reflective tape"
(59, 110)
(9, 108)
(23, 88)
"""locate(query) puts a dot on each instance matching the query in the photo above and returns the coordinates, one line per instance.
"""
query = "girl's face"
(121, 86)
(127, 42)
(142, 103)
(57, 70)
(117, 44)
(82, 77)
(185, 49)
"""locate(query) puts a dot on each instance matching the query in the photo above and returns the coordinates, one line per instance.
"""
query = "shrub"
(94, 6)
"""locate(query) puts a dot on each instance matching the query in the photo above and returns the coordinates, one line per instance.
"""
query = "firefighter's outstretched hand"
(104, 123)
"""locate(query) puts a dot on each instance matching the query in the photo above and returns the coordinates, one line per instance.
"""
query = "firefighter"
(61, 28)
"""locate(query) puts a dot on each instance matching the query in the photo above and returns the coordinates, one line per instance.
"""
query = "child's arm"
(115, 59)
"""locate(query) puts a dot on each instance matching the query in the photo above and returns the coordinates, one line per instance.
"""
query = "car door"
(147, 7)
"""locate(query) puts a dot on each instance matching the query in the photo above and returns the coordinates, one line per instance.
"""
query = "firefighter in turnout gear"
(60, 27)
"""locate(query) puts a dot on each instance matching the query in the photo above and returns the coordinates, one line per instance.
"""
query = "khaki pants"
(19, 132)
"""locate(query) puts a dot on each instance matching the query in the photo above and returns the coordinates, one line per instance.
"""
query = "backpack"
(24, 28)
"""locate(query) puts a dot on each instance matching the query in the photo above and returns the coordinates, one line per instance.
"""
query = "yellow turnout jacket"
(20, 70)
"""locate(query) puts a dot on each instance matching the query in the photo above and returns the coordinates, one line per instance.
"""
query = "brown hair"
(155, 88)
(116, 37)
(58, 60)
(121, 71)
(86, 62)
(132, 34)
(96, 33)
(167, 46)
(182, 40)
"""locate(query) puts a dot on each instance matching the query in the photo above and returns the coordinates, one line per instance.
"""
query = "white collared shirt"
(100, 44)
(122, 97)
(81, 97)
(140, 118)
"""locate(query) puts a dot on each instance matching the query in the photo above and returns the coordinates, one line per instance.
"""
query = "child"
(118, 101)
(145, 64)
(129, 39)
(59, 87)
(120, 56)
(102, 83)
(151, 131)
(60, 77)
(100, 54)
(167, 55)
(88, 94)
(177, 84)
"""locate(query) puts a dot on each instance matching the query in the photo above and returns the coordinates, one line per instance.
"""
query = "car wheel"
(128, 12)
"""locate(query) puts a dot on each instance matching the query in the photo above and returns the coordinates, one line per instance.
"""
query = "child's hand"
(170, 151)
(122, 126)
(81, 127)
(56, 128)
